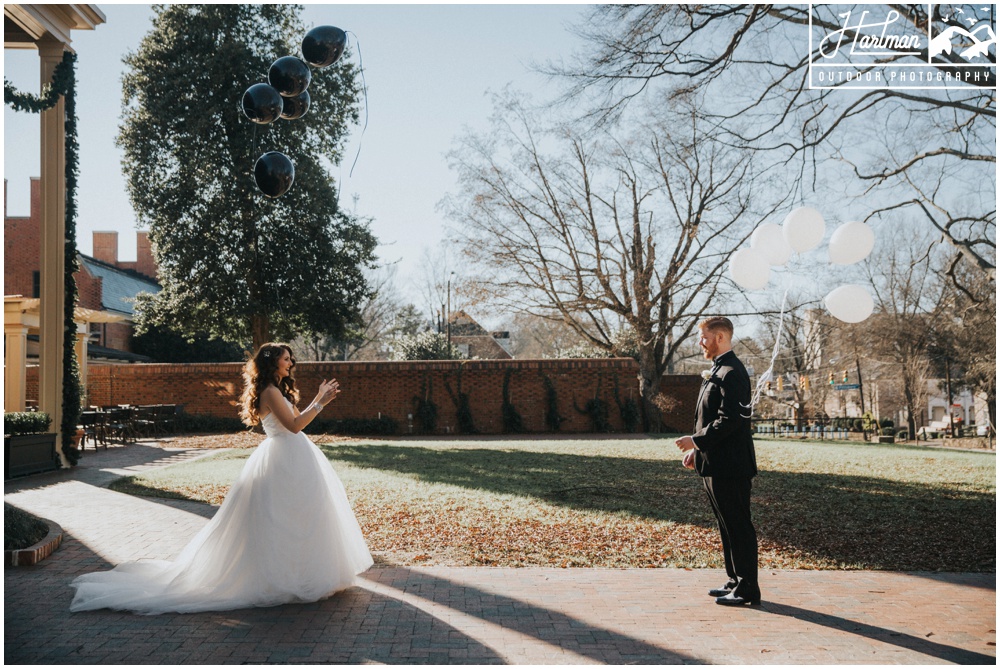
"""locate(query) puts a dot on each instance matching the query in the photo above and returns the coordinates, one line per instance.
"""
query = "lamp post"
(449, 313)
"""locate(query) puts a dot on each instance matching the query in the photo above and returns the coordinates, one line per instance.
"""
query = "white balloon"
(749, 269)
(851, 243)
(850, 303)
(804, 229)
(769, 241)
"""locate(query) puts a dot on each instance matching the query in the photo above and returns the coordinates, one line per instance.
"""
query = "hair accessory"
(266, 354)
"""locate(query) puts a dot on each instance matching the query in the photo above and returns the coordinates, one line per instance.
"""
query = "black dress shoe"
(724, 590)
(732, 599)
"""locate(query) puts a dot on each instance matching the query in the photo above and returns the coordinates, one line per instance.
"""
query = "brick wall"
(22, 244)
(389, 388)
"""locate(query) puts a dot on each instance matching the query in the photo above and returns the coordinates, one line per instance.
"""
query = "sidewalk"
(463, 615)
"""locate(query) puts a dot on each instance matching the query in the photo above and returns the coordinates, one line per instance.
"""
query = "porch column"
(15, 362)
(53, 242)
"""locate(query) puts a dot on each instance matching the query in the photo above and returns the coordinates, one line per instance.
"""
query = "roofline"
(131, 273)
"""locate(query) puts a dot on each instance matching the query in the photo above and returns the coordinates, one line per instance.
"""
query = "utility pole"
(861, 391)
(449, 313)
(947, 380)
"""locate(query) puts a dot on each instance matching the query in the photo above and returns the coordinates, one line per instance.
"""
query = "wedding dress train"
(284, 533)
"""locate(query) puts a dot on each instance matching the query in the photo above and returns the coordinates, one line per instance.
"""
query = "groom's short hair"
(717, 324)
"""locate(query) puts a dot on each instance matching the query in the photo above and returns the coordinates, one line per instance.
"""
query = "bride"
(284, 533)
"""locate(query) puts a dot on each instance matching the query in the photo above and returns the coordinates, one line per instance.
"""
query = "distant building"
(105, 284)
(474, 341)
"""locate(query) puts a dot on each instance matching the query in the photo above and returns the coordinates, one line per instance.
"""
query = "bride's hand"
(328, 391)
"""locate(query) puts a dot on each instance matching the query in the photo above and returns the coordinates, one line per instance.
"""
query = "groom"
(721, 450)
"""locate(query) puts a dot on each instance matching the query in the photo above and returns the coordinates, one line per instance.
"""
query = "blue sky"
(428, 69)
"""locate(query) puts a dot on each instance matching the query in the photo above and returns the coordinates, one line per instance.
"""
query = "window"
(36, 284)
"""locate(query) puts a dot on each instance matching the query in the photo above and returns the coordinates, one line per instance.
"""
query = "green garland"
(72, 391)
(63, 84)
(63, 81)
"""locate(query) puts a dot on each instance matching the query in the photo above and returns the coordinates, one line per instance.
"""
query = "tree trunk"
(649, 387)
(911, 419)
(261, 327)
(991, 407)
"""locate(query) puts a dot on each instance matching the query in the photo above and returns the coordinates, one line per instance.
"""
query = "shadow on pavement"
(917, 644)
(547, 625)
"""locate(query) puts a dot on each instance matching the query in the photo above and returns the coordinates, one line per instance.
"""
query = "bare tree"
(910, 300)
(964, 337)
(799, 363)
(536, 337)
(379, 316)
(594, 232)
(914, 148)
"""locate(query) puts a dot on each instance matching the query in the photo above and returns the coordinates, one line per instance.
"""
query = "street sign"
(847, 386)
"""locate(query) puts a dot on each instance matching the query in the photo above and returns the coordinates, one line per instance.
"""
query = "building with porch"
(48, 30)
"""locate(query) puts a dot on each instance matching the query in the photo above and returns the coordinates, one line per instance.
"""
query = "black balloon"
(274, 174)
(323, 45)
(262, 103)
(295, 107)
(289, 76)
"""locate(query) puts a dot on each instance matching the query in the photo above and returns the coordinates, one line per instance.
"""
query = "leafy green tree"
(232, 261)
(156, 339)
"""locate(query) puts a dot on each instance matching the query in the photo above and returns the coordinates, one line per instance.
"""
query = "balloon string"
(364, 90)
(767, 375)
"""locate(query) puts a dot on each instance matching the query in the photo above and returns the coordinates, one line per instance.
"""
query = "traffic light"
(803, 382)
(845, 376)
(768, 387)
(781, 384)
(829, 379)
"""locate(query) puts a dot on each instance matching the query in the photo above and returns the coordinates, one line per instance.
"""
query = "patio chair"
(93, 426)
(165, 418)
(144, 420)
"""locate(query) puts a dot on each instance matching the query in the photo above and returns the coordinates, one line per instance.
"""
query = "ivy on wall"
(63, 84)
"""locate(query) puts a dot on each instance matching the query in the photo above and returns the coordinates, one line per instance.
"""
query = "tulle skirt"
(285, 533)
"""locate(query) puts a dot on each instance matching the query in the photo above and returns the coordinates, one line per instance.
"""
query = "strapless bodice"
(272, 426)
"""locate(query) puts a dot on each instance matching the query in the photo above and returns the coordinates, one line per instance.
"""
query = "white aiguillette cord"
(767, 375)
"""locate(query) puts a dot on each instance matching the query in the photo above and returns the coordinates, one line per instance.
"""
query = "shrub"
(26, 422)
(552, 418)
(21, 529)
(187, 422)
(512, 421)
(597, 409)
(382, 426)
(425, 346)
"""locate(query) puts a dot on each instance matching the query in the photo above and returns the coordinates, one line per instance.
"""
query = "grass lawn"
(629, 503)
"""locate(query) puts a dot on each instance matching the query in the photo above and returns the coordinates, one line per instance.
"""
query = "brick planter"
(34, 554)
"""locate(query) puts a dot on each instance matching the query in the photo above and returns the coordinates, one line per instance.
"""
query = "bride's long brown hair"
(259, 372)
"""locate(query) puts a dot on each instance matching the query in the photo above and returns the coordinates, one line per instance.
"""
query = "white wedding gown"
(284, 533)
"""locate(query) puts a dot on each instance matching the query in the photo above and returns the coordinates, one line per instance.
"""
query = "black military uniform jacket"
(723, 432)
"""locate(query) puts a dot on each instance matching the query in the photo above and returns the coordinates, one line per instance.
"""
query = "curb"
(34, 554)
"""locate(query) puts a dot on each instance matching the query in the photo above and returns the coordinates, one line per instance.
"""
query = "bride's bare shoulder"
(268, 397)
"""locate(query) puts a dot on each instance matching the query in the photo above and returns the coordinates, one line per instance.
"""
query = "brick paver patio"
(461, 615)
